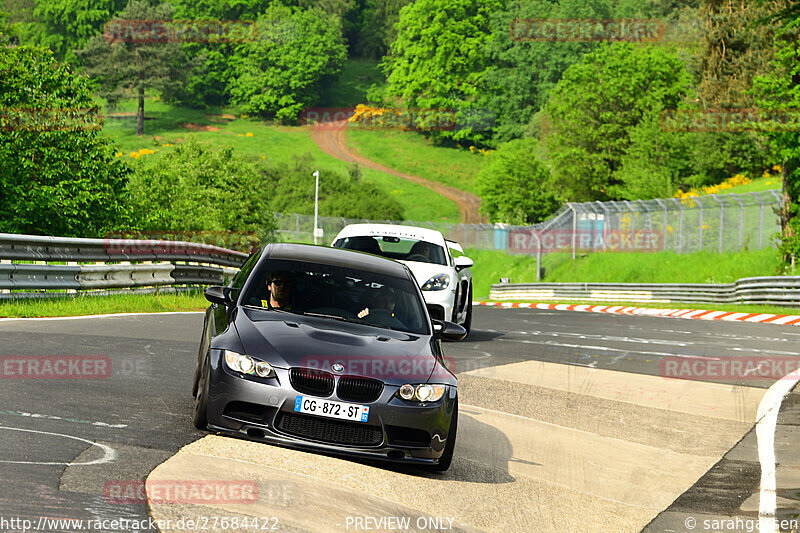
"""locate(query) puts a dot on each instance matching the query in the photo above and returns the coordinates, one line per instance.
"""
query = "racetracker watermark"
(149, 31)
(398, 523)
(740, 368)
(586, 30)
(177, 241)
(433, 119)
(730, 120)
(202, 492)
(548, 241)
(50, 119)
(414, 368)
(55, 367)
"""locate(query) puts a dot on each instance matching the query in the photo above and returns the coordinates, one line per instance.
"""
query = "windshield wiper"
(336, 317)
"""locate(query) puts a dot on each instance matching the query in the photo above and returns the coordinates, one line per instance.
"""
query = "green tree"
(595, 105)
(439, 60)
(378, 28)
(656, 162)
(514, 184)
(58, 176)
(521, 72)
(282, 72)
(65, 25)
(125, 67)
(779, 92)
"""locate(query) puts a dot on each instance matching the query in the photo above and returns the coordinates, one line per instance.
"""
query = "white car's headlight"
(422, 393)
(247, 365)
(437, 283)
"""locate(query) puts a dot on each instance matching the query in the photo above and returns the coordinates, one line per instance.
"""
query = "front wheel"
(447, 454)
(468, 319)
(200, 417)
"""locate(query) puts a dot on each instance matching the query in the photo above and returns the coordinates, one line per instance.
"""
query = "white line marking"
(112, 315)
(65, 419)
(109, 454)
(765, 434)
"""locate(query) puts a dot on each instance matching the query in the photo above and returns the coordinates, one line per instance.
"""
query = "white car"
(445, 280)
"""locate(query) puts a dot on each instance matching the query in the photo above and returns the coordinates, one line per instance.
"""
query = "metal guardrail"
(119, 264)
(779, 290)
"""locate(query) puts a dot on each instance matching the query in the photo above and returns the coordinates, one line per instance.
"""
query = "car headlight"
(422, 393)
(437, 283)
(247, 365)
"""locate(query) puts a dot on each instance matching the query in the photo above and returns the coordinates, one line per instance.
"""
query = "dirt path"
(330, 137)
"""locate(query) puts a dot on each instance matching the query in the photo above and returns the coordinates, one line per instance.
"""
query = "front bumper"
(440, 303)
(398, 431)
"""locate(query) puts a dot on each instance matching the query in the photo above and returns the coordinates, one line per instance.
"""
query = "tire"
(468, 319)
(447, 454)
(200, 416)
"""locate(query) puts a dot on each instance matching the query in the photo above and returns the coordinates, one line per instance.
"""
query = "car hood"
(425, 271)
(288, 340)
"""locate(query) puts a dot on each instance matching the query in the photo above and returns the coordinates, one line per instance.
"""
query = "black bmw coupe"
(329, 350)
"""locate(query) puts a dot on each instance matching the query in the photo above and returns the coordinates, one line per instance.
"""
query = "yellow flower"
(777, 168)
(243, 115)
(240, 135)
(146, 151)
(135, 155)
(248, 134)
(769, 182)
(263, 157)
(118, 154)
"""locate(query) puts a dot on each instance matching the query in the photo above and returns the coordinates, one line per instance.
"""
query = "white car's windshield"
(396, 248)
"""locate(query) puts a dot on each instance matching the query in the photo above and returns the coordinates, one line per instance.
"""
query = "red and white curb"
(696, 314)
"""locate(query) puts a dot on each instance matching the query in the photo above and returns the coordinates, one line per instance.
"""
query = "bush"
(199, 188)
(339, 195)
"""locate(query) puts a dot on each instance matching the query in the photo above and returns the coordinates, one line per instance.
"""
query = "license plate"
(327, 408)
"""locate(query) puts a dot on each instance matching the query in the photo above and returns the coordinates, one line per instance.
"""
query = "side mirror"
(463, 262)
(219, 295)
(448, 331)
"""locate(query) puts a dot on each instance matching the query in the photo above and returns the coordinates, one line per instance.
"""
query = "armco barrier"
(156, 264)
(38, 248)
(779, 290)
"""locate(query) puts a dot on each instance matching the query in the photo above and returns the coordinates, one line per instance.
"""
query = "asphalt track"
(568, 425)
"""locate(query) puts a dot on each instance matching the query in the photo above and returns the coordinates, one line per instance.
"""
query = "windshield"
(338, 293)
(396, 248)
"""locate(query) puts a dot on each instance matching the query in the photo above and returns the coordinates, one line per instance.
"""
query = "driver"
(280, 285)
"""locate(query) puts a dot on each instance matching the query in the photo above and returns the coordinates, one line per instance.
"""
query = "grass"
(412, 153)
(100, 305)
(267, 142)
(660, 267)
(757, 185)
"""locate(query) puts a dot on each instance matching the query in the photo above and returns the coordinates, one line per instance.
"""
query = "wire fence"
(717, 223)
